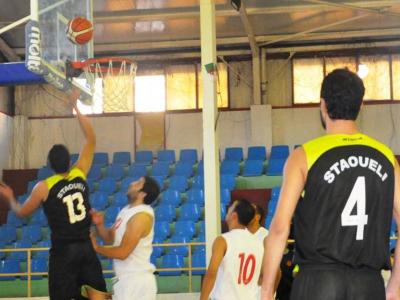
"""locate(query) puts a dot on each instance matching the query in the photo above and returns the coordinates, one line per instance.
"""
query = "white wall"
(6, 133)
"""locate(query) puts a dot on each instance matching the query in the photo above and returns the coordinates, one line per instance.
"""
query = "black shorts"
(337, 283)
(72, 266)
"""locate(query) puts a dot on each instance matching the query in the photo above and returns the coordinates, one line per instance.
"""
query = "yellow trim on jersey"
(315, 148)
(74, 173)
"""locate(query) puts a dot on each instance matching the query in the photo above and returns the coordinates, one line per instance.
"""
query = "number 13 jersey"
(238, 274)
(67, 207)
(345, 212)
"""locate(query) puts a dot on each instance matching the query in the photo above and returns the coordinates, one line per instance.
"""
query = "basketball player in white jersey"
(234, 269)
(131, 237)
(255, 226)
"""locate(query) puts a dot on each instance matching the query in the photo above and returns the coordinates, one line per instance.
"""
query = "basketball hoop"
(117, 75)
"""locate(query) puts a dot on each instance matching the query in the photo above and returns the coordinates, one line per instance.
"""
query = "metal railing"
(29, 272)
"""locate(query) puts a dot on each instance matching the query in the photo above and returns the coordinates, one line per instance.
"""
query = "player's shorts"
(337, 283)
(141, 286)
(71, 266)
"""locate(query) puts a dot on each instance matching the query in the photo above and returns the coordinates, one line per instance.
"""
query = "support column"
(256, 77)
(210, 111)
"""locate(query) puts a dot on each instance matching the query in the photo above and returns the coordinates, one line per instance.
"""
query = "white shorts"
(141, 286)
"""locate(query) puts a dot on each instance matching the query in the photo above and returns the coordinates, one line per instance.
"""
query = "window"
(307, 79)
(376, 73)
(332, 63)
(150, 93)
(181, 87)
(396, 76)
(222, 86)
(97, 101)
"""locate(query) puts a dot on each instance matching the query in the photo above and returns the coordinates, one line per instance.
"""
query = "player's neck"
(135, 203)
(236, 226)
(341, 127)
(254, 228)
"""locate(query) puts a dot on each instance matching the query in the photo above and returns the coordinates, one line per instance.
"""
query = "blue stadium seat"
(95, 172)
(195, 195)
(144, 157)
(100, 158)
(234, 153)
(137, 170)
(14, 220)
(393, 228)
(272, 204)
(92, 186)
(275, 167)
(165, 213)
(223, 212)
(160, 168)
(31, 233)
(198, 182)
(122, 158)
(184, 169)
(108, 266)
(179, 183)
(2, 254)
(279, 152)
(188, 155)
(230, 167)
(202, 231)
(8, 234)
(166, 156)
(42, 253)
(44, 173)
(161, 230)
(225, 196)
(99, 200)
(115, 171)
(126, 182)
(199, 261)
(107, 185)
(31, 185)
(38, 265)
(185, 228)
(190, 212)
(200, 168)
(22, 198)
(111, 214)
(171, 261)
(200, 239)
(74, 158)
(38, 218)
(171, 197)
(20, 255)
(392, 245)
(228, 182)
(253, 168)
(120, 199)
(179, 250)
(9, 266)
(257, 153)
(158, 250)
(160, 181)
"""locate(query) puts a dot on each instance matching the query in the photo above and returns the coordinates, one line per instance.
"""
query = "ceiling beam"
(8, 52)
(277, 7)
(249, 30)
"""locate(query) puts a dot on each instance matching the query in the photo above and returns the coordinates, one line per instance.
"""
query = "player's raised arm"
(84, 162)
(393, 287)
(275, 242)
(218, 253)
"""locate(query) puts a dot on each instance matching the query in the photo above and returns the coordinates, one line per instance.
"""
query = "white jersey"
(261, 233)
(139, 259)
(238, 274)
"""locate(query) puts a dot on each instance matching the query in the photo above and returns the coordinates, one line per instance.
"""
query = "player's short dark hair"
(260, 211)
(59, 158)
(245, 211)
(343, 92)
(151, 188)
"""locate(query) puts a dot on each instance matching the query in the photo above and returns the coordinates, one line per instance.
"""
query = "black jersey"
(345, 212)
(67, 207)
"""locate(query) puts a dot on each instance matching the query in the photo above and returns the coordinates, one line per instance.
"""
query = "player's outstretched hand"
(97, 217)
(6, 192)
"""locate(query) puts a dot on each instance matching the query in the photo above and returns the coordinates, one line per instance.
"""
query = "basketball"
(80, 30)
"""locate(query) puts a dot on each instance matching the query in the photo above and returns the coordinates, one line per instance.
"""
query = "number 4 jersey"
(345, 212)
(67, 207)
(238, 274)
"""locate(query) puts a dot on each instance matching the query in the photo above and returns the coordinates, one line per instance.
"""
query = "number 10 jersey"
(345, 212)
(67, 207)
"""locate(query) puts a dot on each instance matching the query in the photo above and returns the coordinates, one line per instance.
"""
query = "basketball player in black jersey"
(343, 189)
(73, 264)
